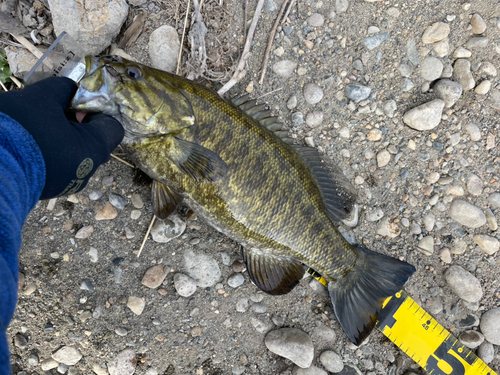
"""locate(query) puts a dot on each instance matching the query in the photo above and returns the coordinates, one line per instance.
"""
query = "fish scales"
(275, 199)
(268, 200)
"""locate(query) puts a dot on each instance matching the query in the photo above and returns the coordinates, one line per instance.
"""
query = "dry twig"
(182, 39)
(245, 5)
(133, 31)
(270, 42)
(287, 12)
(123, 161)
(30, 47)
(240, 69)
(146, 236)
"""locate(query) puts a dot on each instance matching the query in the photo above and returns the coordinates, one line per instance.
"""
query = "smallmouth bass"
(231, 164)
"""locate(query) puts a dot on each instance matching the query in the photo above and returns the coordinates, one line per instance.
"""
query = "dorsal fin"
(337, 192)
(262, 115)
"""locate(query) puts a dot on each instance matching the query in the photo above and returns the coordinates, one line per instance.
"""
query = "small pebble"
(489, 245)
(154, 276)
(357, 92)
(471, 339)
(68, 355)
(486, 352)
(312, 93)
(137, 201)
(466, 214)
(293, 344)
(106, 213)
(436, 32)
(478, 24)
(184, 285)
(383, 158)
(136, 304)
(490, 326)
(331, 361)
(85, 232)
(235, 280)
(464, 284)
(117, 201)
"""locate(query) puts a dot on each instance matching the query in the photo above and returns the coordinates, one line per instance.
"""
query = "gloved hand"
(71, 151)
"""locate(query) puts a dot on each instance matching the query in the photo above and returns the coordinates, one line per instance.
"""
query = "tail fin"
(357, 299)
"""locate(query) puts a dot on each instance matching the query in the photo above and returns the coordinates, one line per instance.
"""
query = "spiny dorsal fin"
(262, 115)
(338, 193)
(165, 200)
(273, 275)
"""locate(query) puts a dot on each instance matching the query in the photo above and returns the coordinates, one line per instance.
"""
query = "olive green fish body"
(229, 165)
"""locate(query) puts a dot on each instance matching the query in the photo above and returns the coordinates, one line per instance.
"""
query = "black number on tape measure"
(443, 362)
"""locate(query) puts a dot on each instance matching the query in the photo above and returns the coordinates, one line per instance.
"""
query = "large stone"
(464, 284)
(463, 75)
(448, 91)
(467, 214)
(164, 48)
(490, 325)
(20, 61)
(426, 116)
(438, 31)
(202, 268)
(91, 24)
(293, 344)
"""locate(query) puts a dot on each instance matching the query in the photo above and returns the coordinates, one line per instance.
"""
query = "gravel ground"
(344, 81)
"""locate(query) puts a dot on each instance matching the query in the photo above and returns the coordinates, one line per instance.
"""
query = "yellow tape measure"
(423, 339)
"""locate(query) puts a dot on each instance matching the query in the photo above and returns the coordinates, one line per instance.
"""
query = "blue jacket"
(22, 178)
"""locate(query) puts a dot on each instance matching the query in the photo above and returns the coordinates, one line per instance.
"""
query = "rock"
(426, 116)
(438, 31)
(312, 93)
(242, 305)
(87, 285)
(67, 355)
(470, 321)
(488, 69)
(372, 42)
(383, 158)
(184, 285)
(494, 200)
(405, 70)
(271, 6)
(284, 68)
(123, 364)
(463, 75)
(491, 220)
(96, 367)
(314, 119)
(120, 331)
(48, 364)
(431, 68)
(96, 195)
(442, 48)
(154, 276)
(461, 53)
(331, 361)
(91, 25)
(483, 87)
(466, 214)
(374, 135)
(20, 341)
(137, 201)
(136, 304)
(166, 230)
(478, 24)
(293, 344)
(316, 20)
(486, 352)
(33, 360)
(117, 201)
(490, 326)
(445, 255)
(474, 132)
(341, 6)
(412, 53)
(474, 185)
(407, 84)
(313, 370)
(20, 61)
(471, 339)
(477, 42)
(459, 247)
(235, 280)
(164, 48)
(464, 284)
(390, 107)
(107, 213)
(357, 92)
(292, 102)
(426, 245)
(494, 101)
(298, 118)
(203, 269)
(448, 91)
(85, 232)
(261, 326)
(489, 245)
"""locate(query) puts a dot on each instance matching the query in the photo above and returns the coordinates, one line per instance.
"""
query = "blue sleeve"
(22, 178)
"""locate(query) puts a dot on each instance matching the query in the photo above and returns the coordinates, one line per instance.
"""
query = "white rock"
(331, 361)
(448, 91)
(426, 116)
(164, 48)
(20, 61)
(166, 230)
(490, 326)
(284, 68)
(489, 245)
(463, 75)
(466, 214)
(461, 53)
(478, 24)
(91, 24)
(184, 285)
(483, 87)
(202, 268)
(123, 364)
(436, 32)
(136, 304)
(293, 344)
(431, 68)
(313, 370)
(464, 284)
(383, 158)
(67, 355)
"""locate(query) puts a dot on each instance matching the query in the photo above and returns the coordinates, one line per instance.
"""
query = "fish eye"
(133, 72)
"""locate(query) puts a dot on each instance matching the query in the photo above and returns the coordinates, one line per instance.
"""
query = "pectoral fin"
(198, 162)
(272, 275)
(165, 200)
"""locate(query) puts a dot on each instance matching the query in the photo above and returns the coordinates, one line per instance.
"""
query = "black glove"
(71, 151)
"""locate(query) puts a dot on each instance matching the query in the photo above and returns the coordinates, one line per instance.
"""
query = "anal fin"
(165, 200)
(271, 274)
